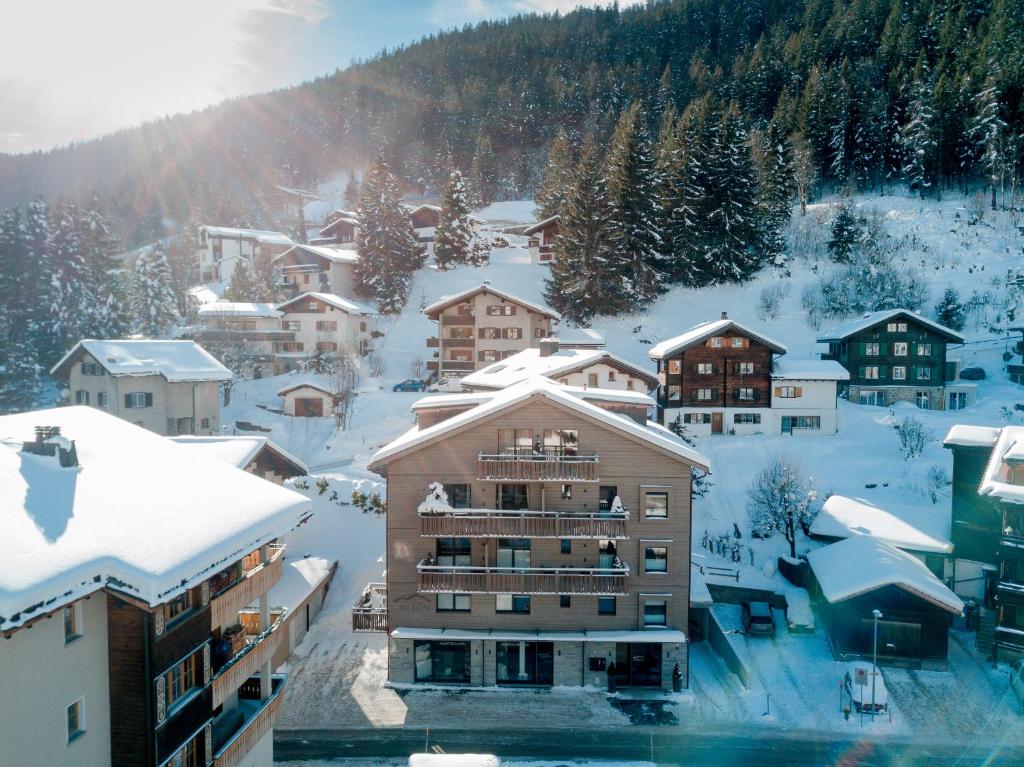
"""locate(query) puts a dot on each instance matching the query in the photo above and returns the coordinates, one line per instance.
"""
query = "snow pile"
(298, 580)
(996, 479)
(436, 501)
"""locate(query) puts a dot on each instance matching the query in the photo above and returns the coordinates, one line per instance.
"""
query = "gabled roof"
(238, 451)
(809, 370)
(964, 435)
(905, 527)
(573, 398)
(864, 563)
(422, 206)
(705, 330)
(346, 305)
(140, 514)
(870, 319)
(328, 228)
(462, 295)
(309, 383)
(176, 361)
(580, 338)
(260, 235)
(541, 224)
(994, 482)
(338, 254)
(529, 363)
(240, 310)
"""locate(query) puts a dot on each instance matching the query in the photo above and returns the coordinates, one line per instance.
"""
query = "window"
(675, 367)
(515, 441)
(512, 603)
(566, 546)
(896, 327)
(705, 394)
(872, 349)
(875, 398)
(204, 423)
(178, 606)
(611, 375)
(629, 384)
(655, 559)
(744, 368)
(312, 305)
(675, 393)
(81, 397)
(512, 334)
(501, 310)
(453, 603)
(561, 442)
(737, 343)
(592, 379)
(871, 372)
(655, 612)
(606, 495)
(438, 661)
(787, 392)
(513, 553)
(187, 756)
(453, 552)
(924, 350)
(326, 346)
(463, 331)
(564, 600)
(92, 369)
(138, 399)
(513, 497)
(606, 555)
(72, 623)
(957, 400)
(746, 418)
(76, 719)
(489, 333)
(923, 400)
(899, 373)
(362, 327)
(458, 495)
(488, 355)
(924, 374)
(101, 399)
(606, 605)
(181, 679)
(705, 368)
(809, 422)
(539, 333)
(566, 492)
(716, 342)
(697, 418)
(901, 348)
(655, 504)
(745, 395)
(293, 325)
(327, 325)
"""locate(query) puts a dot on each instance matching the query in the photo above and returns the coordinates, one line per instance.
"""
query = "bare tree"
(781, 499)
(805, 172)
(344, 380)
(914, 436)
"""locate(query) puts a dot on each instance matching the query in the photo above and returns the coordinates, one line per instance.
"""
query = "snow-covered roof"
(422, 206)
(346, 305)
(461, 399)
(203, 294)
(530, 362)
(326, 228)
(298, 580)
(705, 330)
(310, 382)
(239, 451)
(508, 211)
(260, 235)
(906, 527)
(297, 192)
(870, 319)
(139, 514)
(864, 563)
(445, 301)
(575, 398)
(809, 370)
(540, 224)
(240, 310)
(995, 481)
(345, 253)
(578, 337)
(176, 361)
(965, 435)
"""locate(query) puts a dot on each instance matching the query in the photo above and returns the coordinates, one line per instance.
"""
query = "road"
(722, 749)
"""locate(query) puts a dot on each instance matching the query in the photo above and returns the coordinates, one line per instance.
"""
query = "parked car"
(758, 619)
(410, 384)
(972, 374)
(446, 384)
(857, 684)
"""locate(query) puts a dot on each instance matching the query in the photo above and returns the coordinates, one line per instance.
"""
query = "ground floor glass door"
(638, 664)
(530, 663)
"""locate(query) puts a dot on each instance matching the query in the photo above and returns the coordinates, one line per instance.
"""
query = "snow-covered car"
(857, 683)
(758, 619)
(410, 384)
(446, 385)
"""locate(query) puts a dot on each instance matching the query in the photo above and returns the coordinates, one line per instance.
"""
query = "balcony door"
(515, 442)
(606, 555)
(514, 552)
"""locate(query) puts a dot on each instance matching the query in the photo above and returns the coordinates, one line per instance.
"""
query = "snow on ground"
(504, 763)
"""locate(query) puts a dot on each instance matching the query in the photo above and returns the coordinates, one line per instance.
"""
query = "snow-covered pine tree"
(264, 281)
(154, 309)
(845, 233)
(775, 190)
(988, 132)
(241, 286)
(805, 172)
(918, 133)
(105, 273)
(668, 179)
(454, 235)
(949, 311)
(557, 177)
(584, 279)
(690, 196)
(632, 192)
(37, 294)
(72, 299)
(351, 196)
(484, 173)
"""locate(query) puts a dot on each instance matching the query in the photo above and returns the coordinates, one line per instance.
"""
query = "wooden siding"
(849, 353)
(255, 728)
(225, 606)
(530, 468)
(523, 524)
(724, 379)
(534, 580)
(230, 678)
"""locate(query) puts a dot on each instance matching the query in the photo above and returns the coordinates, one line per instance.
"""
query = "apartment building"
(169, 387)
(536, 536)
(318, 269)
(250, 330)
(326, 323)
(222, 247)
(898, 355)
(133, 605)
(482, 325)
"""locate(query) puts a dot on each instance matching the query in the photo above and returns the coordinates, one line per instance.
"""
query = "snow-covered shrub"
(950, 311)
(938, 478)
(781, 499)
(770, 300)
(914, 436)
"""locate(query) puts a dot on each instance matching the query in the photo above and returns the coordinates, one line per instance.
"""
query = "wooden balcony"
(259, 720)
(246, 662)
(254, 579)
(505, 467)
(432, 342)
(439, 579)
(370, 612)
(489, 523)
(458, 319)
(459, 343)
(464, 366)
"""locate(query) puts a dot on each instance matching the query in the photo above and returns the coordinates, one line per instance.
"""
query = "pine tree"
(988, 132)
(845, 237)
(918, 134)
(557, 177)
(105, 275)
(454, 234)
(688, 197)
(775, 190)
(632, 192)
(484, 173)
(154, 309)
(72, 297)
(241, 287)
(385, 241)
(264, 281)
(584, 278)
(351, 197)
(950, 311)
(805, 172)
(37, 293)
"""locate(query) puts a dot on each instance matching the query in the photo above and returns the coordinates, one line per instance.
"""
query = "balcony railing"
(521, 580)
(432, 342)
(537, 468)
(259, 716)
(460, 343)
(458, 319)
(488, 523)
(370, 612)
(246, 662)
(247, 584)
(467, 366)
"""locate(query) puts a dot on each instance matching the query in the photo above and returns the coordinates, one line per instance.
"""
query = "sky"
(73, 70)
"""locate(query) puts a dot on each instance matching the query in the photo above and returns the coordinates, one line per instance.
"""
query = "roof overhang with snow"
(176, 361)
(457, 298)
(533, 229)
(700, 333)
(995, 482)
(240, 451)
(965, 435)
(809, 370)
(346, 305)
(871, 319)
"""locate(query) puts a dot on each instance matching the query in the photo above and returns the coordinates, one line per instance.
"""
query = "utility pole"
(874, 659)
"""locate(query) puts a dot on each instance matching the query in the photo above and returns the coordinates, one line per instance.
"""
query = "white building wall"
(817, 398)
(348, 336)
(41, 676)
(729, 425)
(621, 380)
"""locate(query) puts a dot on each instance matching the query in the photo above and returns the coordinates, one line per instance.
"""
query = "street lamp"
(874, 660)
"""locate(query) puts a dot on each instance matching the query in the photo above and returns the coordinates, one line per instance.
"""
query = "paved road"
(723, 749)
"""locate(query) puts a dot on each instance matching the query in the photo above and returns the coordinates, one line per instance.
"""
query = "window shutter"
(735, 393)
(883, 348)
(799, 391)
(714, 394)
(480, 333)
(757, 394)
(862, 349)
(149, 400)
(161, 699)
(693, 395)
(860, 372)
(735, 368)
(883, 372)
(206, 662)
(127, 400)
(778, 391)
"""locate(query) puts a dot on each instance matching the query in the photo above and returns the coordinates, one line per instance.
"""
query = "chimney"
(725, 315)
(548, 346)
(49, 442)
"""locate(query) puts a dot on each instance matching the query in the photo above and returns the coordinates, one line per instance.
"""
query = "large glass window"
(181, 679)
(458, 495)
(453, 552)
(513, 552)
(606, 605)
(525, 663)
(438, 661)
(607, 554)
(453, 603)
(513, 497)
(561, 442)
(512, 603)
(655, 559)
(515, 441)
(655, 612)
(655, 504)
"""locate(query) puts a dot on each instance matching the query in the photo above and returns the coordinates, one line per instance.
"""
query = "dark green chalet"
(897, 355)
